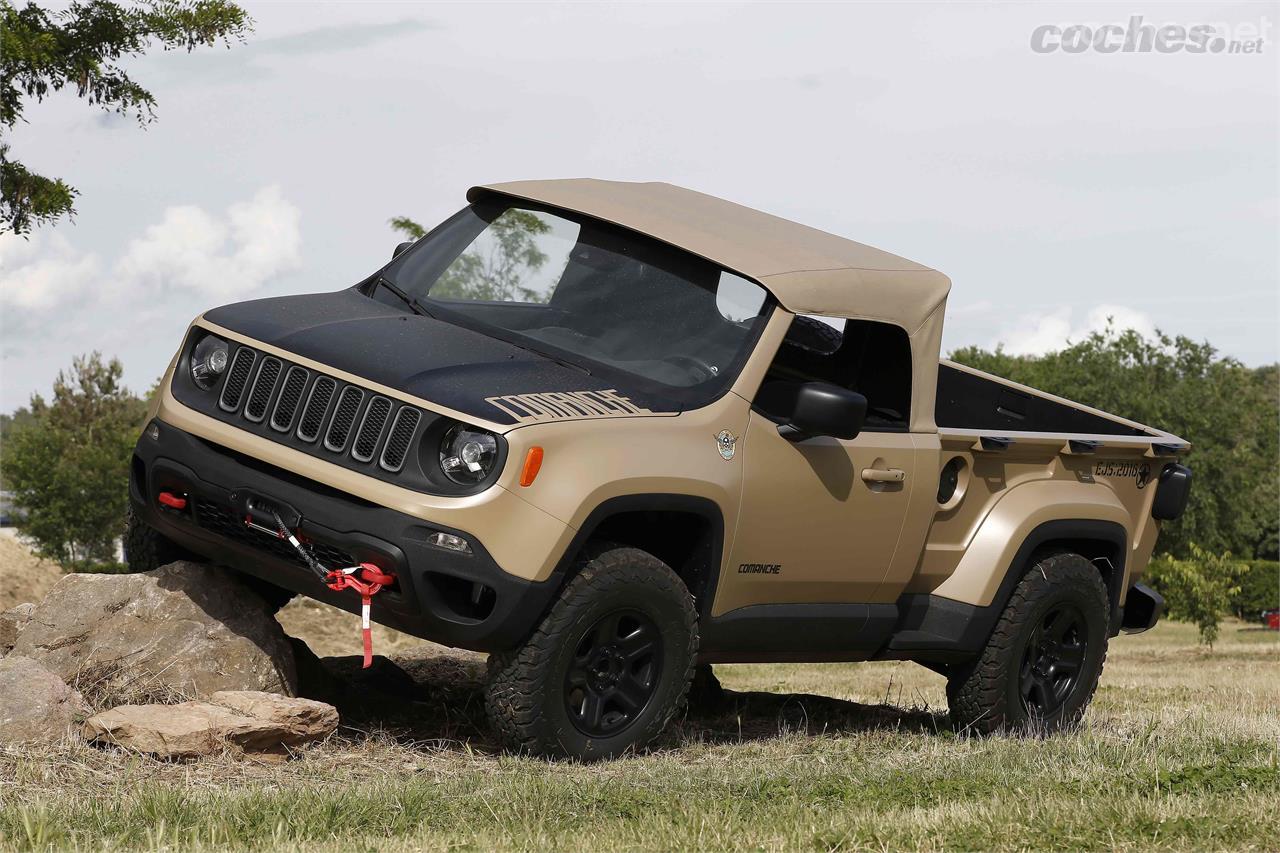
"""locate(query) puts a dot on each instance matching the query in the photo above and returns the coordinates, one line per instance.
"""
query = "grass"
(1181, 750)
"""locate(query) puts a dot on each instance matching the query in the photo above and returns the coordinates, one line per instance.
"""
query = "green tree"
(407, 227)
(1199, 589)
(81, 46)
(69, 465)
(1226, 410)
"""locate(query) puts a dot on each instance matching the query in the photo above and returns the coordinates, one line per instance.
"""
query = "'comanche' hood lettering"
(564, 405)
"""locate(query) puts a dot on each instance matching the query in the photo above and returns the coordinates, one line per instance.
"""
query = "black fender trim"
(932, 628)
(703, 588)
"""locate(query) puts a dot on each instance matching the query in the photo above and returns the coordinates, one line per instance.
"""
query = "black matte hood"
(421, 356)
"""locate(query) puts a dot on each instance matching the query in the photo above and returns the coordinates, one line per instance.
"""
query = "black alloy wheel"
(608, 666)
(614, 673)
(1041, 663)
(1052, 660)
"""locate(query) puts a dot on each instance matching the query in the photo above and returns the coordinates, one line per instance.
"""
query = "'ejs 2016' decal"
(1141, 471)
(565, 405)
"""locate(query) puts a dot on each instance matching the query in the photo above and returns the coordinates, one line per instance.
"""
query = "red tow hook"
(371, 581)
(171, 500)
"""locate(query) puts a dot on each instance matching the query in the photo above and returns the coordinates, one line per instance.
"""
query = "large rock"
(12, 621)
(35, 704)
(185, 629)
(251, 721)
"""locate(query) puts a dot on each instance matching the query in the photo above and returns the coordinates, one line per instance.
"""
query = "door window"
(871, 358)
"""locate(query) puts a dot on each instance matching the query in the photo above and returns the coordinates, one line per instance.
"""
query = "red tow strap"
(371, 581)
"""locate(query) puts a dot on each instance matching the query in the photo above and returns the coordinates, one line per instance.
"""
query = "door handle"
(883, 475)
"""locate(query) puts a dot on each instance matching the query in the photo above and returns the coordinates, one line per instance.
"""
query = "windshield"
(588, 292)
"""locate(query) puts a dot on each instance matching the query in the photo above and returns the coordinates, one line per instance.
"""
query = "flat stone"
(250, 721)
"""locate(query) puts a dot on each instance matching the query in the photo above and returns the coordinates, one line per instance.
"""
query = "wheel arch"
(684, 531)
(1031, 516)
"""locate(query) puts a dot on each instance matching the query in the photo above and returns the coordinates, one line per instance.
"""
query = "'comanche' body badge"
(726, 443)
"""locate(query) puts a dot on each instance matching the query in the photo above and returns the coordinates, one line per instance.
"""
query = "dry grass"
(1181, 751)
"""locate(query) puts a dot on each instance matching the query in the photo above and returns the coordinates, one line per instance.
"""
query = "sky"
(1056, 189)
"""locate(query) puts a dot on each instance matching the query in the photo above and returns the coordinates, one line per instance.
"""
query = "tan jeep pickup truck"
(610, 432)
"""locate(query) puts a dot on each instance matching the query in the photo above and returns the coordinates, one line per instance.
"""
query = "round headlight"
(467, 455)
(208, 361)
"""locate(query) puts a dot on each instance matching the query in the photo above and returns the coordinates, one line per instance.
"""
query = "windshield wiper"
(557, 359)
(412, 301)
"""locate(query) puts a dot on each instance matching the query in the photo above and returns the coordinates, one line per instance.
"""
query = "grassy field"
(1181, 750)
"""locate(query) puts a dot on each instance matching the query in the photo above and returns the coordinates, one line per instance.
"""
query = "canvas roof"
(807, 270)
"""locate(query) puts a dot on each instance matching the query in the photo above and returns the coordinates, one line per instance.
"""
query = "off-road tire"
(527, 693)
(985, 696)
(146, 549)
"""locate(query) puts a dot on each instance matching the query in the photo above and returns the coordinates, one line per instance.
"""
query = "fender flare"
(1004, 539)
(651, 502)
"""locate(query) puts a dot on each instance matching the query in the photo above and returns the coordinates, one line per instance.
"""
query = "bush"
(1200, 590)
(68, 462)
(1259, 590)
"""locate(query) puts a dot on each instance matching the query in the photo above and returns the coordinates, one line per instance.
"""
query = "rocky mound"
(184, 630)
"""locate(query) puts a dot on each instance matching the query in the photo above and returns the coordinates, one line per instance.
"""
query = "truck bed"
(970, 402)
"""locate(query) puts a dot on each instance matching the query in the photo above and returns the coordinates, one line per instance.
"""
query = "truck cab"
(611, 432)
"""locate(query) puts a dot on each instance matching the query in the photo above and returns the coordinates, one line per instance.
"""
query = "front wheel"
(608, 666)
(1041, 665)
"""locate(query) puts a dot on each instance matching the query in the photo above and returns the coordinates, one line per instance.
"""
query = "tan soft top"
(807, 270)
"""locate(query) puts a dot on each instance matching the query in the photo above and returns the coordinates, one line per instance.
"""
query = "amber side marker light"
(532, 464)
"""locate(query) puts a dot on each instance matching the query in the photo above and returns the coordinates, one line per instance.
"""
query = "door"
(820, 520)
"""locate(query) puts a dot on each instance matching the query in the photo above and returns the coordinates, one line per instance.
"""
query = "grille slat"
(264, 384)
(317, 405)
(400, 438)
(295, 381)
(375, 418)
(344, 417)
(237, 378)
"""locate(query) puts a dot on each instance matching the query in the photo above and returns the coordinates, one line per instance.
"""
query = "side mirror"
(400, 248)
(825, 409)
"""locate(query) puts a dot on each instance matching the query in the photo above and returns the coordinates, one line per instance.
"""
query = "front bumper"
(462, 600)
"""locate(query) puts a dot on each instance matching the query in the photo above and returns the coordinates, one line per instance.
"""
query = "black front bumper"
(461, 600)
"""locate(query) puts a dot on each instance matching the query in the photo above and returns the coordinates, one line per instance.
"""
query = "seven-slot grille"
(344, 419)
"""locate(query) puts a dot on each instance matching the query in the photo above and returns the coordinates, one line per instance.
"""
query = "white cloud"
(189, 251)
(222, 258)
(1036, 334)
(57, 300)
(40, 273)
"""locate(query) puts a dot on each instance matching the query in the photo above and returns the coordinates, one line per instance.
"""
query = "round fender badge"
(726, 443)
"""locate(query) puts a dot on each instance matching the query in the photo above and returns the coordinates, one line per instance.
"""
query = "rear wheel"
(608, 666)
(1041, 665)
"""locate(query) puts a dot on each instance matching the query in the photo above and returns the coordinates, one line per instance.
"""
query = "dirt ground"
(23, 576)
